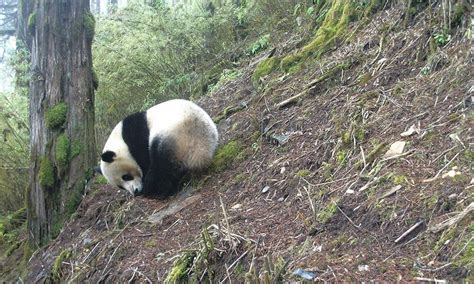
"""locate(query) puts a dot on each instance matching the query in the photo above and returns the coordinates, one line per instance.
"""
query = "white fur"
(181, 120)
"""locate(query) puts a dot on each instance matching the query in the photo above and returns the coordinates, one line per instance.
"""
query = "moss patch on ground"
(225, 155)
(264, 68)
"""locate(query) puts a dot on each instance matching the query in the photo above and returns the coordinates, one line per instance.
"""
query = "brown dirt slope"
(308, 185)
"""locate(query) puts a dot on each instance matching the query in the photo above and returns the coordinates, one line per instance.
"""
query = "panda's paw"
(158, 189)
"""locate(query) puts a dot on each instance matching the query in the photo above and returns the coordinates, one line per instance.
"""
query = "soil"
(305, 192)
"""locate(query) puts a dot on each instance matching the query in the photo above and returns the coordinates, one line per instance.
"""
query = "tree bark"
(22, 33)
(61, 113)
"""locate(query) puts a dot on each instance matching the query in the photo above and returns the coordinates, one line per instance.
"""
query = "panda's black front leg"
(165, 173)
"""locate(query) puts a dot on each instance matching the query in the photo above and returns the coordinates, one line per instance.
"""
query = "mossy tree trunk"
(61, 113)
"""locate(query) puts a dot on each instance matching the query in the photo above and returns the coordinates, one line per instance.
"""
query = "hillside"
(304, 185)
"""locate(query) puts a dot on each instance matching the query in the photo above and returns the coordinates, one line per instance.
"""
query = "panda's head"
(121, 171)
(118, 165)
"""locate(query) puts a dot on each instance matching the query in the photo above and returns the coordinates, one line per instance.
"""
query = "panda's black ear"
(108, 156)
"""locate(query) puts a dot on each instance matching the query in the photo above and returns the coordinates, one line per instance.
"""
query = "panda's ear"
(108, 156)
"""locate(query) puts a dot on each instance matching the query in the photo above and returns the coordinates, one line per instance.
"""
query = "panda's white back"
(191, 128)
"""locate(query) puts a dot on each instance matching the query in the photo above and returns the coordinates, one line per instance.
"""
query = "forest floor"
(308, 189)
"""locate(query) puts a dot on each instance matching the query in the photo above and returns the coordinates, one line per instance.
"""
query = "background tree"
(61, 113)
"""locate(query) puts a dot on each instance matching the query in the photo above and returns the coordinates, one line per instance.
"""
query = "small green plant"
(258, 46)
(226, 76)
(303, 173)
(326, 214)
(56, 271)
(341, 157)
(441, 38)
(180, 269)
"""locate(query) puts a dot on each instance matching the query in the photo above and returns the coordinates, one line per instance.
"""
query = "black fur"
(165, 173)
(108, 156)
(135, 133)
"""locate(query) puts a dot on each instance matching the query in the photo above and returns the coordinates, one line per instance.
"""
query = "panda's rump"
(194, 143)
(187, 128)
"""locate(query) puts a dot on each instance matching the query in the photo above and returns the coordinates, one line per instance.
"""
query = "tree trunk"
(22, 34)
(61, 113)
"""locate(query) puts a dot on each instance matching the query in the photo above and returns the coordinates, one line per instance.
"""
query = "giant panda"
(149, 152)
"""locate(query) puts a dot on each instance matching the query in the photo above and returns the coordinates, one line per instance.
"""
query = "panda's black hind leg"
(165, 173)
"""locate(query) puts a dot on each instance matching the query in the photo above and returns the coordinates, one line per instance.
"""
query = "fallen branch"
(311, 85)
(404, 235)
(228, 111)
(432, 280)
(452, 221)
(175, 206)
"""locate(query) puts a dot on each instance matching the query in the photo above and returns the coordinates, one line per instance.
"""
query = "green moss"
(341, 157)
(264, 68)
(326, 214)
(89, 26)
(46, 173)
(399, 179)
(225, 155)
(73, 201)
(62, 151)
(56, 271)
(303, 173)
(431, 202)
(32, 22)
(333, 27)
(360, 134)
(326, 170)
(460, 10)
(346, 138)
(76, 149)
(100, 180)
(180, 269)
(290, 61)
(469, 156)
(56, 116)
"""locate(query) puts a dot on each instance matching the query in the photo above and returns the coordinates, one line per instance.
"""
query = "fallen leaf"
(395, 149)
(412, 130)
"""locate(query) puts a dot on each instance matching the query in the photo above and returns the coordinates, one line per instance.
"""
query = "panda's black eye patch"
(127, 177)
